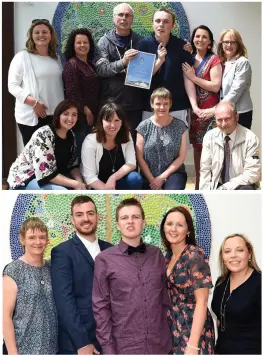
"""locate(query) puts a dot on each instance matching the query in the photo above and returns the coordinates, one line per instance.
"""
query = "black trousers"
(245, 119)
(27, 131)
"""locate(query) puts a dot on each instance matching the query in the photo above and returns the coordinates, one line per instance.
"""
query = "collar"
(232, 135)
(124, 246)
(87, 242)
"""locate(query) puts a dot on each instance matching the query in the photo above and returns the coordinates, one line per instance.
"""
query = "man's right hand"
(129, 55)
(88, 350)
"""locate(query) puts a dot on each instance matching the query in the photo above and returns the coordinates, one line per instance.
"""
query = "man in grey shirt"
(129, 297)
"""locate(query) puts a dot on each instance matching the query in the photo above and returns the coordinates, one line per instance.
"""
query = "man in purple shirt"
(129, 297)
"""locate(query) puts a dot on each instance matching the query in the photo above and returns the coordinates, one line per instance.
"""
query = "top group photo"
(80, 112)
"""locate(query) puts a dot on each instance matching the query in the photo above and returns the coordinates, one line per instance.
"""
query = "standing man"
(117, 48)
(168, 71)
(72, 270)
(230, 154)
(130, 300)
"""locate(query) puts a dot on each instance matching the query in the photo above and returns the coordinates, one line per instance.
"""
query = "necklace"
(223, 308)
(113, 161)
(164, 137)
(41, 270)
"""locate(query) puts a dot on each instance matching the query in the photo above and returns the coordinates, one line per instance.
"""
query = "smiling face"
(41, 35)
(201, 40)
(68, 119)
(34, 241)
(112, 126)
(162, 24)
(176, 229)
(235, 254)
(161, 107)
(230, 46)
(85, 218)
(130, 222)
(81, 46)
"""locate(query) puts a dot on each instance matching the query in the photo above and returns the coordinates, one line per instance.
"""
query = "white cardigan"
(91, 154)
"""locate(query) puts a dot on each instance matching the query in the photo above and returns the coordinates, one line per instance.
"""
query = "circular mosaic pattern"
(54, 210)
(97, 16)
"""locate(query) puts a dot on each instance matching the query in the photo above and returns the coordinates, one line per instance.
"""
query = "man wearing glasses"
(117, 48)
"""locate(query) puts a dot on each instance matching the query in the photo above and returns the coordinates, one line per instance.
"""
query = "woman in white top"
(237, 73)
(35, 79)
(108, 156)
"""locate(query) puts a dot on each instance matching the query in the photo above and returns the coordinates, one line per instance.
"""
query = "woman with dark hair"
(188, 282)
(108, 156)
(206, 74)
(49, 160)
(80, 79)
(34, 79)
(237, 298)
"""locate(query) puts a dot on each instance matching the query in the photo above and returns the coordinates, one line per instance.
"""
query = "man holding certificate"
(117, 49)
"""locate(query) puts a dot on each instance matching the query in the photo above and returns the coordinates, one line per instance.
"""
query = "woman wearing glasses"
(237, 73)
(237, 298)
(35, 79)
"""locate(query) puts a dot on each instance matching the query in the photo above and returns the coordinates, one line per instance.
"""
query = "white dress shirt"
(92, 247)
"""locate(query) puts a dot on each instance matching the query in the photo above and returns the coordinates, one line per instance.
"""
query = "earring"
(188, 234)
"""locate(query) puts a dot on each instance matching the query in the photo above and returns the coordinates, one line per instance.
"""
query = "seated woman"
(49, 160)
(188, 282)
(108, 156)
(161, 146)
(237, 299)
(29, 311)
(237, 75)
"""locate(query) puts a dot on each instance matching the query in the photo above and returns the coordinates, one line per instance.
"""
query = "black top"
(63, 148)
(111, 159)
(242, 334)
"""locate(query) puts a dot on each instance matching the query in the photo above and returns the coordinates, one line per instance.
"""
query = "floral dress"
(190, 272)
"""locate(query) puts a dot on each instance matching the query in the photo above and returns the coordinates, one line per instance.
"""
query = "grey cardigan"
(236, 83)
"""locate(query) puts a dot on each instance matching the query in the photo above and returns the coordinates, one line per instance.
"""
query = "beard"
(87, 232)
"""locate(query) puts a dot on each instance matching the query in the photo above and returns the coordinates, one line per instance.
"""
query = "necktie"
(225, 171)
(141, 248)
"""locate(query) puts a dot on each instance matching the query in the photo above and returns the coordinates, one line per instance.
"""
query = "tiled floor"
(190, 184)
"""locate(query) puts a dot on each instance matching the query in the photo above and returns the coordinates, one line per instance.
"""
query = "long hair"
(210, 35)
(52, 46)
(241, 49)
(69, 49)
(190, 238)
(106, 113)
(251, 263)
(61, 107)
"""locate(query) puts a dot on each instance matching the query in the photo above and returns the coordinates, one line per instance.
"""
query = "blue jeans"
(132, 181)
(176, 181)
(33, 185)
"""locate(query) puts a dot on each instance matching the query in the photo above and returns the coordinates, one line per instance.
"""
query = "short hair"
(122, 3)
(161, 93)
(61, 107)
(69, 49)
(33, 224)
(106, 113)
(241, 49)
(82, 199)
(210, 35)
(190, 239)
(252, 263)
(52, 46)
(129, 202)
(230, 103)
(168, 11)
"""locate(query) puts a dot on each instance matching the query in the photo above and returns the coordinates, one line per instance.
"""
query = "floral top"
(38, 159)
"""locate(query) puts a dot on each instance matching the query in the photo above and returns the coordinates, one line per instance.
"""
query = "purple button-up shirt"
(130, 301)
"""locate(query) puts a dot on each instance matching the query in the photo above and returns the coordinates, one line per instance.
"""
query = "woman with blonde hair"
(35, 79)
(236, 80)
(237, 298)
(29, 312)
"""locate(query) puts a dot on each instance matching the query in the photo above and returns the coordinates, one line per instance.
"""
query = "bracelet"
(35, 104)
(192, 347)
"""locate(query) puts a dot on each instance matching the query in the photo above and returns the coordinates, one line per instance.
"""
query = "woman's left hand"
(156, 183)
(188, 71)
(189, 351)
(111, 183)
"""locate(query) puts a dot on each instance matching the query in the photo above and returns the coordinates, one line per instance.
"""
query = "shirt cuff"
(109, 349)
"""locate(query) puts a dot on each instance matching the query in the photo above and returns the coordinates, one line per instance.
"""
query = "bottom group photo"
(131, 273)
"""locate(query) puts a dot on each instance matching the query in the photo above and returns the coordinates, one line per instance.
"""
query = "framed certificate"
(140, 70)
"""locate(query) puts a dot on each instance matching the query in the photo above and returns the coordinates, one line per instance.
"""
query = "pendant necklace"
(164, 137)
(113, 162)
(42, 281)
(223, 308)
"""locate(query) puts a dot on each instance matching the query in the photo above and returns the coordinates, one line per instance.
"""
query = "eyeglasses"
(226, 43)
(40, 20)
(124, 14)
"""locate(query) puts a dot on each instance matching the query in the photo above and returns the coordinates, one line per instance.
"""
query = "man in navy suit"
(72, 270)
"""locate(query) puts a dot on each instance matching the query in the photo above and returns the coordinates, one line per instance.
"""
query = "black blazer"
(72, 270)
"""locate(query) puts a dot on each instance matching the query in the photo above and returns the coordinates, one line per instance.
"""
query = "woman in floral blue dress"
(188, 282)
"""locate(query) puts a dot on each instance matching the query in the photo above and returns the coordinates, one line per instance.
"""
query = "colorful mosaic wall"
(97, 16)
(54, 210)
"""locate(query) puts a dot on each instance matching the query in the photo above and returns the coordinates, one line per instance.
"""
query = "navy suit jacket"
(72, 270)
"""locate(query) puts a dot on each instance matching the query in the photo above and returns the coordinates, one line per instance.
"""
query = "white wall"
(243, 16)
